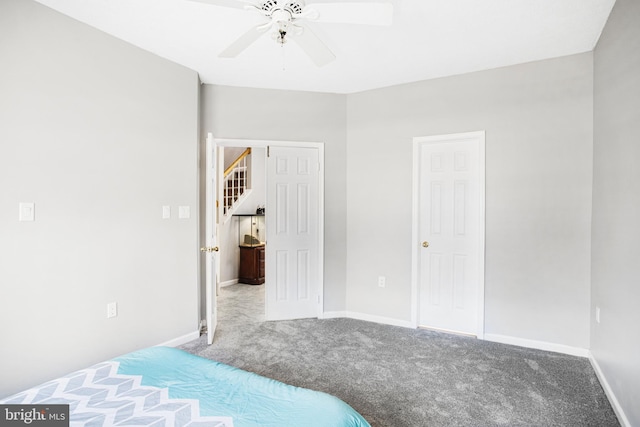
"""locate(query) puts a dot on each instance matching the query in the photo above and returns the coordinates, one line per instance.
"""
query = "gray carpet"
(398, 377)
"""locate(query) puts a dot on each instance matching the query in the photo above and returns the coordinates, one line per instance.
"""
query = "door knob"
(209, 249)
(425, 244)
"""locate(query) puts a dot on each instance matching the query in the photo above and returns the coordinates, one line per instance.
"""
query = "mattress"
(162, 386)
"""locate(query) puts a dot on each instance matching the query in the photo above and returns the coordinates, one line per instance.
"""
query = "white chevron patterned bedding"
(99, 396)
(167, 387)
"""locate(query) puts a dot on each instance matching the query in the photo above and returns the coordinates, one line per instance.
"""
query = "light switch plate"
(26, 211)
(166, 212)
(184, 212)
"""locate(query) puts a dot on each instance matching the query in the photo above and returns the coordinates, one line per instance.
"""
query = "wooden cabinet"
(251, 265)
(251, 236)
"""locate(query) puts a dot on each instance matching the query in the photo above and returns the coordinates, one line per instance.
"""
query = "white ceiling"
(428, 39)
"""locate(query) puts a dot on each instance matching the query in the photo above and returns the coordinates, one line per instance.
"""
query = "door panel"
(451, 219)
(210, 251)
(293, 258)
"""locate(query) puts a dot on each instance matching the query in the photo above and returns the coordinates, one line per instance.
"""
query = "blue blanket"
(162, 386)
(251, 400)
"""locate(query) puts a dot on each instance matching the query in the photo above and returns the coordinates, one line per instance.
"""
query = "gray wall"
(615, 341)
(538, 123)
(243, 113)
(99, 135)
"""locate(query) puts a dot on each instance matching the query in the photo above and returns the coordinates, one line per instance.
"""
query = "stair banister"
(235, 184)
(244, 154)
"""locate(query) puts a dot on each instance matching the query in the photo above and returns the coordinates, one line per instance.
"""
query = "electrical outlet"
(382, 281)
(597, 314)
(112, 310)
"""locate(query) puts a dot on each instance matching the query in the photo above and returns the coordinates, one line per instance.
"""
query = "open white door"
(293, 260)
(211, 248)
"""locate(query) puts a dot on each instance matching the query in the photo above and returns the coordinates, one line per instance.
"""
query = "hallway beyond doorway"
(241, 304)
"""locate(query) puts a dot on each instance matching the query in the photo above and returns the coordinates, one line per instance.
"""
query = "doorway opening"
(242, 234)
(292, 176)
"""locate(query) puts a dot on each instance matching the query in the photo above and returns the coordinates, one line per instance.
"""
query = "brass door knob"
(425, 244)
(209, 249)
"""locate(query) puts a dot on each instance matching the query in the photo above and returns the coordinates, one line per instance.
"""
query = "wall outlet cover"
(112, 310)
(184, 212)
(26, 211)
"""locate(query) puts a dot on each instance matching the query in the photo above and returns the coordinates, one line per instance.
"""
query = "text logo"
(34, 415)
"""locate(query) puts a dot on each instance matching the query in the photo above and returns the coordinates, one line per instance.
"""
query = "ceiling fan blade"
(353, 13)
(245, 40)
(313, 47)
(237, 4)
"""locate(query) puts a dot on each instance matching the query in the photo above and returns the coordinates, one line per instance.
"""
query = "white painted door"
(292, 211)
(451, 232)
(211, 248)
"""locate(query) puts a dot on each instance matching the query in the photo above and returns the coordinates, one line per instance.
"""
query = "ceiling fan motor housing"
(292, 7)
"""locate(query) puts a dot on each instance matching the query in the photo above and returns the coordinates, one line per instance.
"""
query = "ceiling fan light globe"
(279, 37)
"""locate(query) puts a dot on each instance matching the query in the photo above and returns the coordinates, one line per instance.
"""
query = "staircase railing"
(235, 183)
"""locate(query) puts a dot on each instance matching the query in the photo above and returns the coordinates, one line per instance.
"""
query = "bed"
(163, 386)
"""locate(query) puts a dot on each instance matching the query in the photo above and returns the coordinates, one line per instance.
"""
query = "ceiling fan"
(284, 19)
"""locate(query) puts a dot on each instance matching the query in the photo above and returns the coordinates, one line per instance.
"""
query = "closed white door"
(292, 255)
(450, 240)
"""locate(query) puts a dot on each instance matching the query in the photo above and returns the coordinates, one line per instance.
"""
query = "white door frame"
(263, 143)
(416, 246)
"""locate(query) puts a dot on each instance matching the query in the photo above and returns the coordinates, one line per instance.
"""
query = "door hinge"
(268, 149)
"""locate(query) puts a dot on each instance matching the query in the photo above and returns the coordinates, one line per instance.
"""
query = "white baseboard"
(540, 345)
(181, 340)
(504, 339)
(229, 283)
(617, 408)
(367, 317)
(334, 314)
